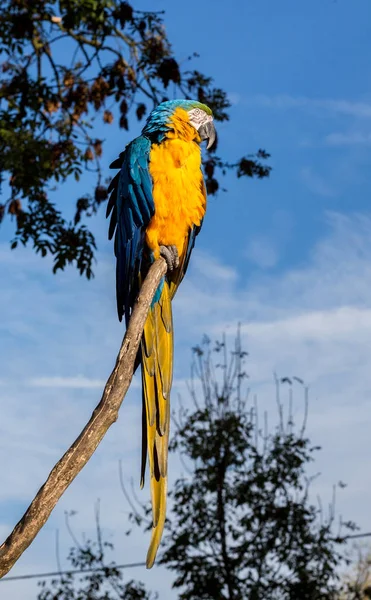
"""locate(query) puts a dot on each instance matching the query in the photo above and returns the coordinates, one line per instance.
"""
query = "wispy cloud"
(234, 98)
(211, 269)
(336, 324)
(317, 183)
(262, 252)
(78, 382)
(348, 139)
(329, 105)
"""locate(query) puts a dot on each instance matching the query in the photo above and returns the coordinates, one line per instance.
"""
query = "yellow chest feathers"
(175, 167)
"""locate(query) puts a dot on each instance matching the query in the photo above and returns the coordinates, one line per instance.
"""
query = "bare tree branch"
(104, 415)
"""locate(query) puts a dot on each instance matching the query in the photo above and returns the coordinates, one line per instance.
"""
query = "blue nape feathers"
(157, 122)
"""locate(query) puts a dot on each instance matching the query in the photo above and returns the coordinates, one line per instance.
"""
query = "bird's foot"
(170, 254)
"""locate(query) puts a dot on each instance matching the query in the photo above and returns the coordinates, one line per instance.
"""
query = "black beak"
(207, 132)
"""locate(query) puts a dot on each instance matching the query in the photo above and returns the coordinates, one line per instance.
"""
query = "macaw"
(157, 205)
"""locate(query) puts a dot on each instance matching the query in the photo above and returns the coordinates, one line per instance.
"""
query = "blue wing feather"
(132, 207)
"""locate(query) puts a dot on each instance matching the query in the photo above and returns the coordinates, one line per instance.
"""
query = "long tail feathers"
(157, 373)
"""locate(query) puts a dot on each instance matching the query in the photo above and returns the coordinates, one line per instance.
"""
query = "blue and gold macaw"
(157, 205)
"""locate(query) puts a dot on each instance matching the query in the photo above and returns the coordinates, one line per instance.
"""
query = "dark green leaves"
(168, 70)
(64, 64)
(242, 525)
(253, 167)
(96, 579)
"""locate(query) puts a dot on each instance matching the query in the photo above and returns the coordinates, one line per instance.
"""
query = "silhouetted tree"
(64, 64)
(241, 525)
(357, 581)
(91, 575)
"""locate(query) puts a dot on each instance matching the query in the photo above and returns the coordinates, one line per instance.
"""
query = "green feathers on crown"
(201, 106)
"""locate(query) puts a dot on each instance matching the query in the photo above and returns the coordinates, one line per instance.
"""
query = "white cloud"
(348, 139)
(234, 98)
(316, 183)
(262, 252)
(329, 105)
(212, 270)
(336, 324)
(79, 382)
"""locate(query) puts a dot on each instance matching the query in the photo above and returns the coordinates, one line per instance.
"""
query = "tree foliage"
(357, 581)
(97, 583)
(91, 576)
(64, 65)
(242, 525)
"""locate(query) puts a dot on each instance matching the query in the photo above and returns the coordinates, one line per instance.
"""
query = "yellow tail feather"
(157, 531)
(157, 374)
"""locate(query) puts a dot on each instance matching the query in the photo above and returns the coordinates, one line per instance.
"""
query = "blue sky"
(289, 257)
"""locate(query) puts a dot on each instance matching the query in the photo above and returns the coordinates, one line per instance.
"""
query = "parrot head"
(197, 114)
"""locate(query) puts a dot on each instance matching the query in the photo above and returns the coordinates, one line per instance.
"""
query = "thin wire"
(74, 572)
(126, 566)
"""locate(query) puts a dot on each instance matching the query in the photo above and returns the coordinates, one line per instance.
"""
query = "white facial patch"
(198, 117)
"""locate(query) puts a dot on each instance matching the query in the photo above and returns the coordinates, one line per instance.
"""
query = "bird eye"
(197, 111)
